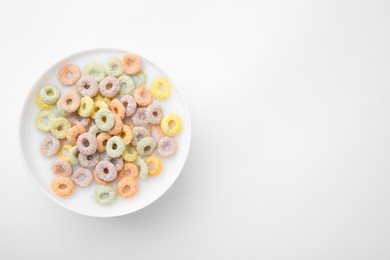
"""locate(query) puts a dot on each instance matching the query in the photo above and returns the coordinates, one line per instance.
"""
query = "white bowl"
(82, 200)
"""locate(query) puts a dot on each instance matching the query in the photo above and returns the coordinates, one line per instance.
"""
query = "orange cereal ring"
(117, 108)
(127, 187)
(102, 141)
(69, 75)
(159, 131)
(62, 186)
(117, 128)
(131, 63)
(143, 97)
(129, 169)
(74, 132)
(126, 134)
(154, 165)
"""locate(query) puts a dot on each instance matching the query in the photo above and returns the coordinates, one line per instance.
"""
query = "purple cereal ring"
(87, 144)
(69, 102)
(166, 147)
(154, 114)
(78, 178)
(87, 86)
(79, 120)
(109, 86)
(129, 104)
(106, 171)
(88, 161)
(62, 167)
(50, 146)
(139, 118)
(118, 162)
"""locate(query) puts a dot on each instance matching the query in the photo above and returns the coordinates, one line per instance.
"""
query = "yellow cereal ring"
(154, 165)
(62, 186)
(130, 156)
(42, 105)
(161, 88)
(87, 106)
(61, 154)
(44, 120)
(171, 125)
(99, 104)
(126, 134)
(59, 127)
(100, 98)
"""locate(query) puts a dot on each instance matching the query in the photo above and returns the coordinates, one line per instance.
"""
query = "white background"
(289, 103)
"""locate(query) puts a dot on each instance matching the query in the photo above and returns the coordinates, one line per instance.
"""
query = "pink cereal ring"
(106, 171)
(109, 86)
(166, 147)
(87, 144)
(69, 75)
(50, 146)
(88, 86)
(69, 102)
(129, 104)
(86, 180)
(62, 167)
(139, 118)
(131, 63)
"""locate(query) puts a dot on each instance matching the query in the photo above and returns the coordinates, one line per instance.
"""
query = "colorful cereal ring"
(131, 63)
(146, 146)
(95, 70)
(50, 146)
(87, 144)
(49, 94)
(128, 169)
(109, 87)
(139, 118)
(129, 104)
(154, 165)
(104, 119)
(161, 88)
(42, 105)
(143, 169)
(115, 147)
(154, 114)
(59, 127)
(62, 186)
(126, 84)
(44, 120)
(118, 108)
(105, 195)
(117, 162)
(139, 79)
(171, 125)
(126, 134)
(86, 180)
(143, 97)
(61, 152)
(99, 104)
(130, 154)
(118, 124)
(73, 155)
(87, 106)
(69, 75)
(62, 167)
(166, 147)
(102, 140)
(106, 171)
(69, 102)
(127, 187)
(88, 86)
(74, 133)
(139, 132)
(113, 67)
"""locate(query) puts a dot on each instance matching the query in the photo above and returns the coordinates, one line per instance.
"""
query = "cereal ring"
(159, 132)
(87, 106)
(118, 162)
(139, 79)
(69, 75)
(105, 195)
(139, 132)
(129, 169)
(42, 105)
(115, 147)
(64, 152)
(50, 146)
(117, 128)
(126, 84)
(62, 167)
(99, 104)
(62, 186)
(60, 112)
(143, 169)
(130, 154)
(106, 171)
(102, 141)
(166, 147)
(143, 97)
(69, 102)
(139, 118)
(82, 177)
(131, 63)
(73, 155)
(113, 67)
(87, 86)
(127, 187)
(146, 146)
(49, 94)
(94, 130)
(79, 120)
(88, 161)
(126, 134)
(171, 125)
(59, 127)
(153, 114)
(99, 97)
(109, 87)
(44, 120)
(161, 88)
(87, 144)
(154, 164)
(129, 104)
(118, 108)
(104, 119)
(74, 133)
(95, 71)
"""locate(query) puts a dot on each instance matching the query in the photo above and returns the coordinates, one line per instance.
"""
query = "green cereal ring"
(105, 195)
(73, 154)
(143, 169)
(140, 79)
(130, 154)
(94, 130)
(44, 119)
(49, 94)
(87, 106)
(115, 147)
(126, 85)
(113, 67)
(59, 127)
(95, 71)
(146, 146)
(104, 119)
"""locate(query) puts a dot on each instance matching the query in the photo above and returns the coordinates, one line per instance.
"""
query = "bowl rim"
(20, 122)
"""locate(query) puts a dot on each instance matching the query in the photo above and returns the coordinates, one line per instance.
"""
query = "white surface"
(82, 200)
(289, 104)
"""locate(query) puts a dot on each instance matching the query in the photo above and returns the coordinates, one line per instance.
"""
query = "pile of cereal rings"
(106, 129)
